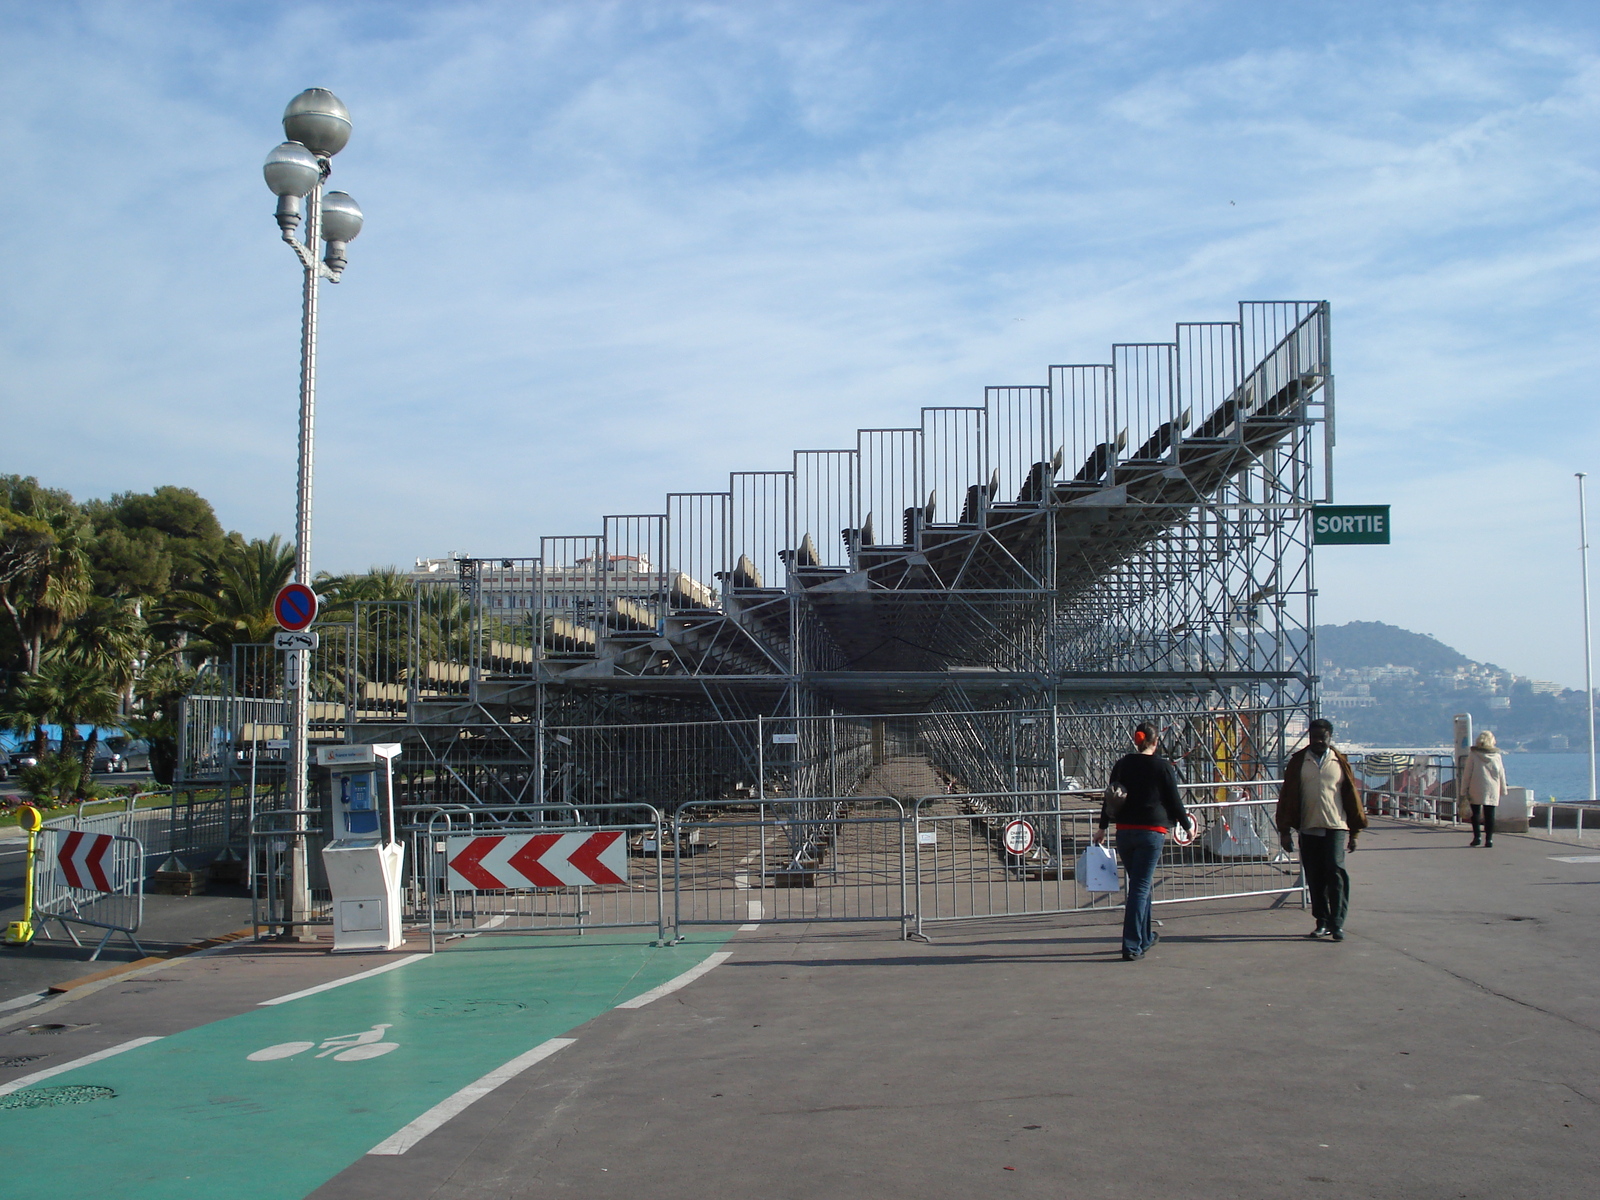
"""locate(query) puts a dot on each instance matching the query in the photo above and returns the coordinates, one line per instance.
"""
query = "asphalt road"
(169, 923)
(1449, 1048)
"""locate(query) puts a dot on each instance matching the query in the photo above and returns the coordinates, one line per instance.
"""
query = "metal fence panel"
(452, 913)
(963, 871)
(118, 911)
(799, 860)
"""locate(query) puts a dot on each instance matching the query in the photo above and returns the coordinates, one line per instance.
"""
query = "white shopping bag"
(1097, 870)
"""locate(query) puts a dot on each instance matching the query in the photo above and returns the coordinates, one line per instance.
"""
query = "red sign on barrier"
(536, 860)
(83, 859)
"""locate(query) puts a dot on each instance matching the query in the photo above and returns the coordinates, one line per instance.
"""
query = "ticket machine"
(365, 858)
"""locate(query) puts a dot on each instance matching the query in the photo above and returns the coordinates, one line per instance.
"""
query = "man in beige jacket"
(1319, 797)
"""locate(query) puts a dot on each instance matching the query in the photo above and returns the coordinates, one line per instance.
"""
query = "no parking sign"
(295, 606)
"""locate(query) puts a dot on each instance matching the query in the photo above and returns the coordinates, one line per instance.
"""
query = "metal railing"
(1558, 818)
(184, 826)
(1411, 786)
(454, 912)
(789, 861)
(119, 910)
(282, 842)
(753, 862)
(964, 871)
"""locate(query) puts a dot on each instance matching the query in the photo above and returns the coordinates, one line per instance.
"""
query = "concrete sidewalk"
(1449, 1048)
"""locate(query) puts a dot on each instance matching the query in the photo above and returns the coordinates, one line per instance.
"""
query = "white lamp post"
(1588, 647)
(317, 125)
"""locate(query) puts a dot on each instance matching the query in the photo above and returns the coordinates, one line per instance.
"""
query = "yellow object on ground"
(20, 933)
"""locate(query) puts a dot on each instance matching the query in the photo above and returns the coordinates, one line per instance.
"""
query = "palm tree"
(160, 692)
(110, 636)
(379, 583)
(377, 606)
(83, 695)
(232, 604)
(65, 693)
(28, 708)
(45, 580)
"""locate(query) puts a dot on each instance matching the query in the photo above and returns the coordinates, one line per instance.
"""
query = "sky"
(619, 249)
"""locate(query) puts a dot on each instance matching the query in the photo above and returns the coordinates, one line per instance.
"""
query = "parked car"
(132, 754)
(27, 758)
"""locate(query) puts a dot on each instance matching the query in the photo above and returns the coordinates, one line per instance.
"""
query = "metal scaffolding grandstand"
(993, 592)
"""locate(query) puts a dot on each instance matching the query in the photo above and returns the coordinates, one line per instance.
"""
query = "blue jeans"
(1140, 851)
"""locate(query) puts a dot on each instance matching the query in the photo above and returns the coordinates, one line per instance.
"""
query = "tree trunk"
(87, 778)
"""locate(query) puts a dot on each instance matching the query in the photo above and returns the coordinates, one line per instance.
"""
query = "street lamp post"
(317, 125)
(1588, 645)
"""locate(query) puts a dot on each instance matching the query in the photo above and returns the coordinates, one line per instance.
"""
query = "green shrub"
(54, 781)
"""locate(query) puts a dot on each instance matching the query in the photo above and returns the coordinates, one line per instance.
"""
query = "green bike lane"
(274, 1102)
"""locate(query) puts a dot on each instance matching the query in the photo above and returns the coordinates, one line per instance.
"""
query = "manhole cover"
(47, 1028)
(468, 1008)
(21, 1060)
(56, 1097)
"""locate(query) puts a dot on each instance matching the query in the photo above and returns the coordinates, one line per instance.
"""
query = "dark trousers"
(1485, 813)
(1140, 851)
(1322, 859)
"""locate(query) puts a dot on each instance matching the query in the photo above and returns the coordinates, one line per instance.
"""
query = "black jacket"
(1152, 788)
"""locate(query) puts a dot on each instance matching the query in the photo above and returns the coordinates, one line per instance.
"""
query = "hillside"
(1386, 686)
(1374, 644)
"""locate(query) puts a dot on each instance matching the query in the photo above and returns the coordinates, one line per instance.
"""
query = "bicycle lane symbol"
(344, 1047)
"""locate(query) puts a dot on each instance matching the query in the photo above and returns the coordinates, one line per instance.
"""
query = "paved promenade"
(1449, 1048)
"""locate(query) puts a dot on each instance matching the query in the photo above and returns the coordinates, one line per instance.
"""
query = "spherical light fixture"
(316, 118)
(291, 172)
(341, 222)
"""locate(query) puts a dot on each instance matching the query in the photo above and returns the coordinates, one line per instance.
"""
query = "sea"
(1550, 774)
(1558, 775)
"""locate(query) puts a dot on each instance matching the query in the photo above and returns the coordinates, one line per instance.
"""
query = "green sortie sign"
(1350, 525)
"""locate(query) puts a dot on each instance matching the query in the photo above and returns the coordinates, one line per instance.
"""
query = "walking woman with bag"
(1482, 784)
(1142, 799)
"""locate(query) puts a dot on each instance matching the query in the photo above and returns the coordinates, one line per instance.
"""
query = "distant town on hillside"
(1386, 686)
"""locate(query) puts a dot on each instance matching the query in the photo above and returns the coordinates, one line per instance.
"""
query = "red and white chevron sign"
(536, 860)
(85, 861)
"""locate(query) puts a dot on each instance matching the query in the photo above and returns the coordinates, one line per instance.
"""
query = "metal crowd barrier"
(185, 826)
(1409, 786)
(282, 842)
(964, 870)
(453, 912)
(795, 860)
(743, 862)
(119, 910)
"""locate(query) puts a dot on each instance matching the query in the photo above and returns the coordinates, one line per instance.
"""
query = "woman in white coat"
(1483, 782)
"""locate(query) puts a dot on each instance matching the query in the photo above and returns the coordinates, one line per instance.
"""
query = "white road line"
(27, 1080)
(1575, 858)
(753, 911)
(328, 987)
(22, 1001)
(451, 1106)
(672, 985)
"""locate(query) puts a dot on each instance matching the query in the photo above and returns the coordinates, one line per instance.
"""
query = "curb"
(139, 963)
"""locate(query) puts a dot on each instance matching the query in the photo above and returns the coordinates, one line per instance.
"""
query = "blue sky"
(615, 250)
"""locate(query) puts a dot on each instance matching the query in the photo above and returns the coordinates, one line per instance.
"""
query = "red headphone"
(1140, 737)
